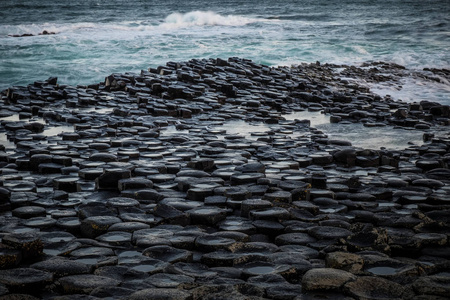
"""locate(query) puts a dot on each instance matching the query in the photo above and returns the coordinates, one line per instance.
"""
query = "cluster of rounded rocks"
(45, 32)
(142, 193)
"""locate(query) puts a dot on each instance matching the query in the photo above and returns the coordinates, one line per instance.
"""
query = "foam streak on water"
(95, 38)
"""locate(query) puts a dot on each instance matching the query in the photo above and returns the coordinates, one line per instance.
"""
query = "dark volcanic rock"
(29, 244)
(326, 279)
(62, 267)
(193, 180)
(94, 226)
(85, 284)
(25, 279)
(376, 288)
(160, 294)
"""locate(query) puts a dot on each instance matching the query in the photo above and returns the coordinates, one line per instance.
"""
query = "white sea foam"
(173, 21)
(360, 50)
(415, 90)
(69, 28)
(203, 18)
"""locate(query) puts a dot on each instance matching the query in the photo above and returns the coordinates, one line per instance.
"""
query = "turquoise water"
(96, 38)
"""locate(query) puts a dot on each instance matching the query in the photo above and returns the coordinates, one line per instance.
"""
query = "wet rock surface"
(191, 181)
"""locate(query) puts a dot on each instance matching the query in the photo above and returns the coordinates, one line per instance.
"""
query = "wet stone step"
(25, 279)
(234, 193)
(147, 266)
(128, 226)
(20, 186)
(250, 205)
(158, 178)
(61, 267)
(279, 196)
(326, 279)
(207, 215)
(161, 293)
(91, 252)
(151, 237)
(62, 213)
(94, 226)
(181, 204)
(9, 258)
(28, 212)
(163, 280)
(134, 183)
(168, 254)
(195, 270)
(145, 218)
(71, 224)
(116, 238)
(272, 213)
(90, 173)
(268, 227)
(374, 287)
(85, 283)
(109, 180)
(328, 232)
(65, 183)
(223, 258)
(245, 178)
(266, 268)
(40, 222)
(209, 243)
(237, 224)
(200, 192)
(122, 202)
(56, 236)
(172, 215)
(95, 208)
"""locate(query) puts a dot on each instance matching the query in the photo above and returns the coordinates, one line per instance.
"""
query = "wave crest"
(203, 18)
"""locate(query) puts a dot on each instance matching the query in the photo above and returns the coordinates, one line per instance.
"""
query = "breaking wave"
(204, 18)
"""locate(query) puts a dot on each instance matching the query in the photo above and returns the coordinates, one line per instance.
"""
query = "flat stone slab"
(61, 267)
(329, 232)
(94, 226)
(294, 239)
(266, 268)
(436, 285)
(29, 244)
(349, 262)
(84, 284)
(168, 254)
(325, 279)
(25, 279)
(160, 294)
(375, 288)
(207, 243)
(27, 212)
(207, 215)
(163, 280)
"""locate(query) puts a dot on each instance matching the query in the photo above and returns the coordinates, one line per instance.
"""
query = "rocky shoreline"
(133, 188)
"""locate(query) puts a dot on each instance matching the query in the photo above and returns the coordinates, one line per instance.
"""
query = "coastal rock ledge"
(193, 181)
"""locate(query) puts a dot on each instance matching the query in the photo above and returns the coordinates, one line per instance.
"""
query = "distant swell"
(173, 21)
(203, 18)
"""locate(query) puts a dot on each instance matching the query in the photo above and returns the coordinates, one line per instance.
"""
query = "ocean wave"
(203, 18)
(171, 22)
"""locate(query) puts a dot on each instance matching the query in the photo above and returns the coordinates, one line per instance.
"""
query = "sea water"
(94, 38)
